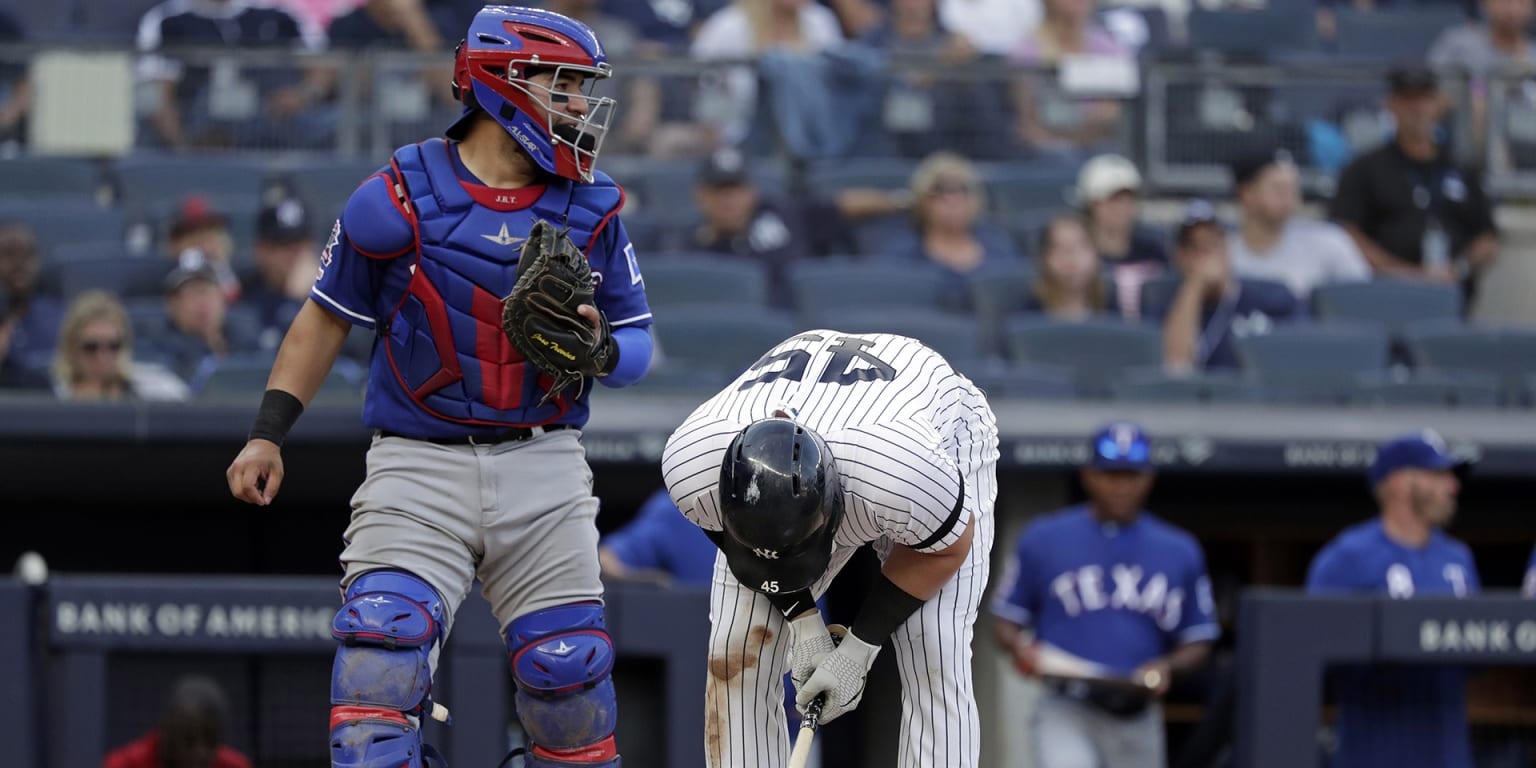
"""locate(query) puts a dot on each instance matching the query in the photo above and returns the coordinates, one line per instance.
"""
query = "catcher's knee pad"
(561, 658)
(387, 628)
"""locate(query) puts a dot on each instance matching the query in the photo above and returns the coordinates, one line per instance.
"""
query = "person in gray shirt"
(1481, 50)
(1274, 242)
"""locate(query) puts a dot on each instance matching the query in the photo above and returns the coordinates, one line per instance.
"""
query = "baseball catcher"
(549, 316)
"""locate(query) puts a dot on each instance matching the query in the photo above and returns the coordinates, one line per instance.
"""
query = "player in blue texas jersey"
(469, 475)
(1110, 583)
(659, 545)
(1118, 587)
(1394, 716)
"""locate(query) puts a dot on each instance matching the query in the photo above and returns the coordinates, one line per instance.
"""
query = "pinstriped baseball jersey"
(915, 446)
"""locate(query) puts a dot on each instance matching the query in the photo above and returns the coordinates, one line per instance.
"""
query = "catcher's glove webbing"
(539, 315)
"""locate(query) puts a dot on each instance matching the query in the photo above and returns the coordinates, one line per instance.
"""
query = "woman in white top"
(94, 356)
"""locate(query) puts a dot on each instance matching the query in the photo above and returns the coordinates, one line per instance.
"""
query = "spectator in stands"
(948, 225)
(15, 87)
(1274, 243)
(671, 23)
(286, 259)
(94, 356)
(199, 329)
(198, 226)
(1499, 44)
(1069, 283)
(1051, 121)
(1108, 193)
(1402, 715)
(190, 734)
(739, 221)
(922, 113)
(200, 105)
(858, 17)
(650, 123)
(1211, 306)
(29, 316)
(1410, 210)
(750, 29)
(389, 24)
(993, 27)
(1065, 593)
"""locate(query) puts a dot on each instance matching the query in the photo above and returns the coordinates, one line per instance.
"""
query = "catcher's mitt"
(539, 315)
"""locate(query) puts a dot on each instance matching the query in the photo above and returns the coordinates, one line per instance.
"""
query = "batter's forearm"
(309, 350)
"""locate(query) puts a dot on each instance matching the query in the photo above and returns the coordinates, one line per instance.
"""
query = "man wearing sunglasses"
(1120, 589)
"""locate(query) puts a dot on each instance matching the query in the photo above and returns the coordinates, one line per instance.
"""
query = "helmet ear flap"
(461, 84)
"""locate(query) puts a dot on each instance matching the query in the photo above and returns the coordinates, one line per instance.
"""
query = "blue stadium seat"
(1314, 363)
(44, 20)
(91, 249)
(1154, 385)
(239, 377)
(66, 180)
(1391, 34)
(145, 182)
(325, 187)
(143, 276)
(1156, 294)
(1025, 381)
(828, 178)
(1283, 28)
(996, 293)
(951, 335)
(1393, 303)
(822, 285)
(1098, 351)
(1015, 189)
(55, 225)
(111, 21)
(683, 279)
(717, 339)
(1506, 353)
(1430, 389)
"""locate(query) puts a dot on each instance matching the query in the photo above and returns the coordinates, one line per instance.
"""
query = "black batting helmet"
(781, 502)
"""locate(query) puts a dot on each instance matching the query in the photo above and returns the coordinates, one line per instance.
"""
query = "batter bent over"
(829, 442)
(471, 474)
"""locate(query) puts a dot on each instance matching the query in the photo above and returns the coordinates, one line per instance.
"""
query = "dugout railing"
(1286, 640)
(63, 638)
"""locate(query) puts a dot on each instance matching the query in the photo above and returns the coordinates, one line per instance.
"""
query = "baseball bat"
(808, 726)
(1052, 663)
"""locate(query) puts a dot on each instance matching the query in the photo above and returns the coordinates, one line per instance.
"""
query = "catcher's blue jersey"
(1394, 716)
(1118, 595)
(442, 366)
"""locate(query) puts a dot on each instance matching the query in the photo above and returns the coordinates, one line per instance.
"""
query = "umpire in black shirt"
(1397, 200)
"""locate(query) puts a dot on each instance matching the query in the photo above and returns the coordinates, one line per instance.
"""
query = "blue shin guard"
(379, 683)
(561, 658)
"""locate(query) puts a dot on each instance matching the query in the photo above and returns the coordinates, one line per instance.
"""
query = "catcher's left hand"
(543, 316)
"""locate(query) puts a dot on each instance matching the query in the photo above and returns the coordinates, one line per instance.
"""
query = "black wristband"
(279, 411)
(792, 604)
(883, 611)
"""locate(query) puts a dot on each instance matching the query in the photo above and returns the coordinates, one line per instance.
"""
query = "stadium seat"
(148, 182)
(683, 279)
(124, 277)
(1024, 190)
(111, 21)
(238, 377)
(718, 339)
(54, 225)
(66, 180)
(1156, 295)
(1394, 303)
(325, 187)
(888, 173)
(1393, 34)
(1506, 353)
(996, 293)
(1430, 389)
(44, 20)
(817, 286)
(951, 335)
(1025, 381)
(1154, 385)
(1314, 363)
(1283, 28)
(1097, 351)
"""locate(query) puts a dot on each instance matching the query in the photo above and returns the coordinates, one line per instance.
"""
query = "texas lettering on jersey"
(1127, 588)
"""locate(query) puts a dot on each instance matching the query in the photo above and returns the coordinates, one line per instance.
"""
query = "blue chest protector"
(444, 339)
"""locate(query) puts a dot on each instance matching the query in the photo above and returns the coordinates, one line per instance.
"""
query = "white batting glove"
(809, 643)
(841, 676)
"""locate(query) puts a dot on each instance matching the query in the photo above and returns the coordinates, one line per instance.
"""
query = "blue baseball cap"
(1417, 450)
(1121, 445)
